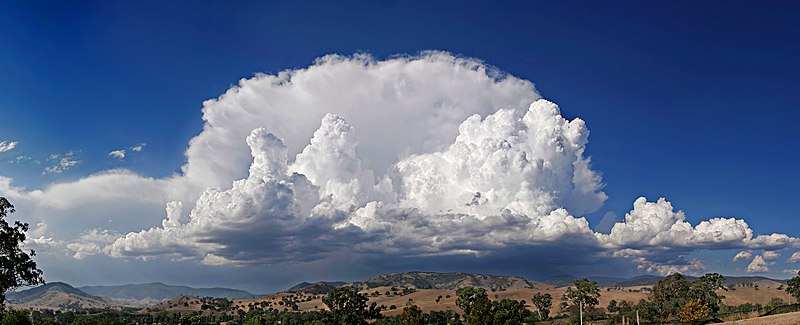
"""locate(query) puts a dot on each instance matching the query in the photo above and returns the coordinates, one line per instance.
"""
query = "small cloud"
(118, 154)
(20, 159)
(139, 147)
(6, 146)
(741, 256)
(791, 271)
(758, 265)
(795, 257)
(61, 163)
(770, 255)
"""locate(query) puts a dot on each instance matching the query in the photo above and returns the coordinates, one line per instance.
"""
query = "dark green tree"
(349, 307)
(16, 317)
(669, 295)
(705, 289)
(509, 312)
(16, 266)
(543, 303)
(793, 287)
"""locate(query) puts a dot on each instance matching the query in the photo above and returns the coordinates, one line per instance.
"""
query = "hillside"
(149, 293)
(316, 287)
(446, 281)
(58, 295)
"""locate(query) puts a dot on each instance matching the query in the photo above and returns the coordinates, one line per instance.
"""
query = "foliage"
(793, 287)
(412, 315)
(16, 267)
(675, 296)
(584, 294)
(694, 310)
(468, 297)
(542, 302)
(349, 307)
(16, 317)
(509, 312)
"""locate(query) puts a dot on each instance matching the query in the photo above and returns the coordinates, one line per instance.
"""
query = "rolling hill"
(149, 293)
(58, 295)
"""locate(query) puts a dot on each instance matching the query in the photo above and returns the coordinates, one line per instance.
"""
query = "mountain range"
(59, 295)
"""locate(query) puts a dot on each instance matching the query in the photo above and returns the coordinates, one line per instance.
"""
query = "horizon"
(262, 145)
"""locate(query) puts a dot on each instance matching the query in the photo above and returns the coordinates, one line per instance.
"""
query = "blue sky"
(690, 101)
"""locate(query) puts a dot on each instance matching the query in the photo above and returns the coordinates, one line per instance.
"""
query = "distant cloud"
(770, 255)
(118, 154)
(741, 256)
(6, 146)
(758, 265)
(795, 257)
(139, 147)
(61, 163)
(122, 153)
(792, 271)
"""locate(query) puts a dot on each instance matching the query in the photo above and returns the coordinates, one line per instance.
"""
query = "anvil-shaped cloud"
(411, 157)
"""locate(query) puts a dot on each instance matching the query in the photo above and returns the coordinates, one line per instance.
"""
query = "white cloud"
(92, 242)
(415, 156)
(743, 255)
(795, 257)
(6, 146)
(770, 255)
(758, 265)
(61, 163)
(792, 271)
(118, 154)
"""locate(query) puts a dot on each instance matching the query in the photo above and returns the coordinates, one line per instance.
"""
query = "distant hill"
(445, 281)
(315, 288)
(58, 295)
(149, 293)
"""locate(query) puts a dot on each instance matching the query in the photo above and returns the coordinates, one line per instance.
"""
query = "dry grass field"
(782, 319)
(442, 300)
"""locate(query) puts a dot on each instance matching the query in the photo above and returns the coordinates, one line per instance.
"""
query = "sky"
(256, 145)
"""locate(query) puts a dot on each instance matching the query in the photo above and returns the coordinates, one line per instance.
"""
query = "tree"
(16, 317)
(793, 287)
(16, 266)
(509, 312)
(412, 315)
(542, 302)
(468, 297)
(583, 296)
(694, 310)
(349, 307)
(669, 295)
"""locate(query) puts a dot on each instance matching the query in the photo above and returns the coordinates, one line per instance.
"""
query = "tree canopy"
(349, 307)
(793, 287)
(17, 267)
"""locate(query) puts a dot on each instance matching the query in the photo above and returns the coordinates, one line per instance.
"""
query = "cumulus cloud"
(92, 242)
(758, 265)
(61, 163)
(6, 146)
(423, 156)
(795, 257)
(770, 255)
(741, 256)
